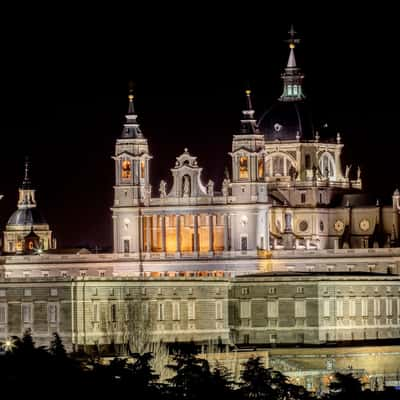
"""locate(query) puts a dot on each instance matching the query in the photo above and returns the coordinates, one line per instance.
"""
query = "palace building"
(287, 252)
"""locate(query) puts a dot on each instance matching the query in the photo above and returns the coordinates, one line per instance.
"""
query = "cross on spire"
(292, 77)
(248, 122)
(131, 129)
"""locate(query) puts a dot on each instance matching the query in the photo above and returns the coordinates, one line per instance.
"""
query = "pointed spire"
(131, 129)
(26, 191)
(26, 183)
(292, 77)
(248, 122)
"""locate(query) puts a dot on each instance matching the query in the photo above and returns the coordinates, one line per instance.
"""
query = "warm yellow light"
(8, 345)
(248, 92)
(292, 46)
(130, 97)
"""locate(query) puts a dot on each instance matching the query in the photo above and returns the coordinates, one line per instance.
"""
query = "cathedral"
(287, 257)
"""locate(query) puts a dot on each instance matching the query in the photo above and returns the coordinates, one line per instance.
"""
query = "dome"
(285, 120)
(26, 216)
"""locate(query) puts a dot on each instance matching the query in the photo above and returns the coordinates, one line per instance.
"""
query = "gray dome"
(26, 216)
(285, 119)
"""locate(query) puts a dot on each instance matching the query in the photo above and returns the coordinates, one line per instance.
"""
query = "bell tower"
(132, 188)
(248, 159)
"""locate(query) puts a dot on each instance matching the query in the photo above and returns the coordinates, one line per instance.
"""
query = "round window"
(303, 226)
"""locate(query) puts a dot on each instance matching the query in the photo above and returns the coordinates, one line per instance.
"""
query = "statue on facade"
(347, 172)
(358, 173)
(163, 189)
(186, 185)
(225, 187)
(293, 173)
(210, 188)
(314, 172)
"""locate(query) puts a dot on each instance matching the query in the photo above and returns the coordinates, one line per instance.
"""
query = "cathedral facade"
(287, 252)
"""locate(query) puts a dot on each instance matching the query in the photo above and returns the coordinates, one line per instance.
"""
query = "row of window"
(271, 290)
(99, 311)
(365, 305)
(332, 308)
(27, 313)
(28, 292)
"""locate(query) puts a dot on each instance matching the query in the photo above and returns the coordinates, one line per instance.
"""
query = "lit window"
(126, 169)
(295, 90)
(142, 169)
(243, 168)
(289, 90)
(261, 168)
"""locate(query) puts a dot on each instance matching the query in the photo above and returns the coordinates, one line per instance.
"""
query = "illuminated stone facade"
(286, 252)
(27, 232)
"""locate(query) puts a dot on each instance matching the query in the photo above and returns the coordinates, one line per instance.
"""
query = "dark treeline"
(28, 370)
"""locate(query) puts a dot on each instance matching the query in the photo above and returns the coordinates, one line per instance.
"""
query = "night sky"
(64, 85)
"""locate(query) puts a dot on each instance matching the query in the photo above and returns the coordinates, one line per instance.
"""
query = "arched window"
(243, 168)
(261, 168)
(279, 165)
(126, 169)
(327, 165)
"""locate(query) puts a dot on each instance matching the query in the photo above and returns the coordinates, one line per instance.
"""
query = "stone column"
(210, 233)
(196, 233)
(148, 233)
(226, 232)
(141, 234)
(178, 233)
(163, 234)
(338, 165)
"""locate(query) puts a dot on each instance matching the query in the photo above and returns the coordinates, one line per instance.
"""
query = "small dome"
(26, 216)
(286, 120)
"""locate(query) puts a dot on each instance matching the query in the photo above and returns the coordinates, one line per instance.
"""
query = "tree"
(57, 348)
(259, 382)
(344, 386)
(192, 378)
(221, 382)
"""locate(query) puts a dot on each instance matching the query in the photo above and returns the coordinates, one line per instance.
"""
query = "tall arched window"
(327, 165)
(279, 164)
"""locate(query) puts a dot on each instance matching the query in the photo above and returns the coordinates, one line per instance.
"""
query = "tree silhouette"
(344, 386)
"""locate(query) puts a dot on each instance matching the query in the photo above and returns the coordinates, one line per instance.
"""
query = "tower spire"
(26, 183)
(248, 122)
(26, 191)
(131, 127)
(292, 77)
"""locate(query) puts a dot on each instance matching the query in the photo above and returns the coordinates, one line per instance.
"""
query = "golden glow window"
(261, 168)
(142, 169)
(243, 167)
(126, 169)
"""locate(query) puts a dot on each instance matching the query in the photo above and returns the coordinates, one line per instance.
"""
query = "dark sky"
(65, 74)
